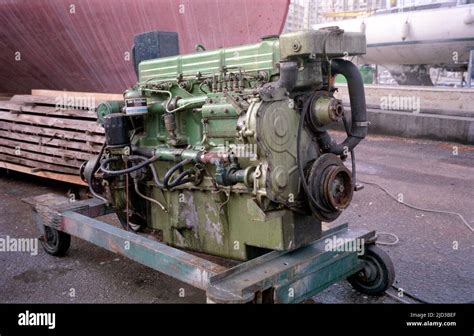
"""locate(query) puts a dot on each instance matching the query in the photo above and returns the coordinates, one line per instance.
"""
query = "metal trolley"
(276, 277)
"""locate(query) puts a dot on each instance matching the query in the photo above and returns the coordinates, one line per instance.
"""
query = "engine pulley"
(330, 183)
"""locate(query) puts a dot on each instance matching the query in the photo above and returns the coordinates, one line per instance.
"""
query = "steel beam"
(294, 275)
(73, 219)
(163, 258)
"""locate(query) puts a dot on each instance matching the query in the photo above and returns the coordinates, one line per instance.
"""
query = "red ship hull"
(86, 45)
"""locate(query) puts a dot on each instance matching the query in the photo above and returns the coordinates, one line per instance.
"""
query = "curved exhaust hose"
(288, 75)
(285, 84)
(359, 123)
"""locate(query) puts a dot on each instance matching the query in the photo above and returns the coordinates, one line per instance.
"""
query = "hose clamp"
(362, 123)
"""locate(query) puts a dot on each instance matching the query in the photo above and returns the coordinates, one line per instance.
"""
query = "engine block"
(227, 151)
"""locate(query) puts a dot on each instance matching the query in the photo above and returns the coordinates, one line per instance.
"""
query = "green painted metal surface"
(214, 101)
(231, 227)
(255, 57)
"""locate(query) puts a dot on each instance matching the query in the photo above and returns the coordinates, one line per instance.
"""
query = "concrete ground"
(434, 258)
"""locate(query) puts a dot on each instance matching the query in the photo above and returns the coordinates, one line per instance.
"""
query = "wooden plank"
(83, 103)
(41, 109)
(56, 131)
(82, 125)
(98, 96)
(48, 141)
(41, 157)
(38, 165)
(51, 132)
(74, 179)
(59, 152)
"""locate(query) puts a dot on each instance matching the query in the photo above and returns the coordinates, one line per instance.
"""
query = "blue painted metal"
(74, 219)
(291, 276)
(184, 266)
(337, 268)
(294, 275)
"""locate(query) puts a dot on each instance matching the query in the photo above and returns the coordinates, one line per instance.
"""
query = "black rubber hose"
(93, 192)
(177, 181)
(172, 170)
(156, 178)
(180, 179)
(99, 156)
(91, 176)
(353, 160)
(288, 75)
(145, 162)
(359, 122)
(148, 161)
(142, 151)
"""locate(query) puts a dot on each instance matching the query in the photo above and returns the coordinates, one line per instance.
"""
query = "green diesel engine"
(227, 152)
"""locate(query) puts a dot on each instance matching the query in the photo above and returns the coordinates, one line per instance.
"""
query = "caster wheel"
(55, 242)
(377, 275)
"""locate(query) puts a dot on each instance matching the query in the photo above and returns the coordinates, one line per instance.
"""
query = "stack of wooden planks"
(50, 133)
(5, 96)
